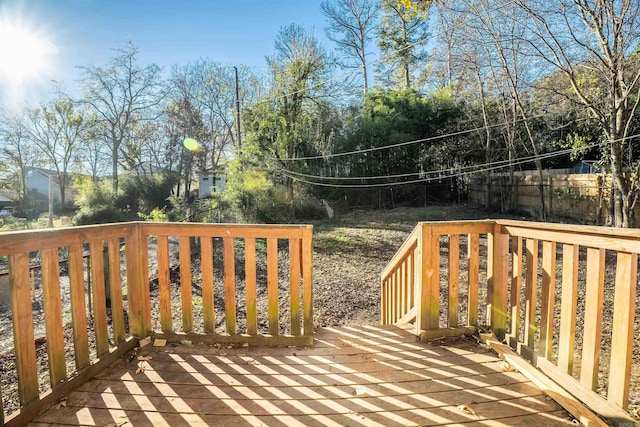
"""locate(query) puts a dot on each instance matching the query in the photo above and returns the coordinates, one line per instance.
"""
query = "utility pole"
(238, 108)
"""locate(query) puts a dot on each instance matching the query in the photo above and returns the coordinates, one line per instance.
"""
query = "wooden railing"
(535, 314)
(102, 332)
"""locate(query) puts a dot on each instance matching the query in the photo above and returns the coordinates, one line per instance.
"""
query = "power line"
(416, 141)
(452, 175)
(436, 172)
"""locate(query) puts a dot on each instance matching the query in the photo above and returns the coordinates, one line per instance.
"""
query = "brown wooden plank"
(294, 277)
(307, 281)
(611, 412)
(53, 315)
(78, 307)
(408, 245)
(549, 387)
(206, 262)
(252, 340)
(99, 297)
(516, 288)
(454, 279)
(145, 282)
(250, 278)
(599, 237)
(623, 327)
(531, 286)
(164, 285)
(594, 297)
(229, 257)
(545, 347)
(568, 308)
(15, 242)
(22, 320)
(45, 400)
(473, 275)
(186, 296)
(117, 313)
(224, 230)
(135, 287)
(411, 278)
(272, 285)
(430, 297)
(498, 281)
(383, 301)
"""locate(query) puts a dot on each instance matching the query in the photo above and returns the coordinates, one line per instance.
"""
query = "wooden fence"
(581, 197)
(536, 314)
(102, 334)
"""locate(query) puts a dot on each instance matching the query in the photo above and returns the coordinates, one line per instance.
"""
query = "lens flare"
(190, 144)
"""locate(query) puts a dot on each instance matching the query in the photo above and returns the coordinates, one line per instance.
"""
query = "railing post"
(135, 290)
(497, 280)
(427, 279)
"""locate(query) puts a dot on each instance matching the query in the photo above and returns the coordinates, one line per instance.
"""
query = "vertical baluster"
(229, 285)
(516, 289)
(145, 288)
(569, 307)
(272, 284)
(206, 261)
(78, 307)
(594, 298)
(135, 283)
(531, 283)
(498, 279)
(307, 280)
(548, 298)
(473, 258)
(622, 333)
(53, 315)
(117, 314)
(250, 277)
(164, 285)
(22, 317)
(294, 280)
(454, 279)
(411, 279)
(99, 297)
(185, 284)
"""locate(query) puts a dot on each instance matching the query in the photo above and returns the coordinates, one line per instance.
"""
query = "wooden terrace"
(243, 351)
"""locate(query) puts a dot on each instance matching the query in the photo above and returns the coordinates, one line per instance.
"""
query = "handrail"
(131, 317)
(515, 251)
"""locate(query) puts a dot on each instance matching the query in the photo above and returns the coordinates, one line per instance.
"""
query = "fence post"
(497, 280)
(307, 281)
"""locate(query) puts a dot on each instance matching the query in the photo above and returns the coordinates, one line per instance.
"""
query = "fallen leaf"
(466, 408)
(62, 403)
(252, 362)
(145, 358)
(508, 368)
(141, 368)
(159, 342)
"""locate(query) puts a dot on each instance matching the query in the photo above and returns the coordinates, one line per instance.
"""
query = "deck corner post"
(497, 280)
(427, 279)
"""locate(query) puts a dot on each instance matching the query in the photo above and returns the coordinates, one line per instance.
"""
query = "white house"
(38, 181)
(207, 185)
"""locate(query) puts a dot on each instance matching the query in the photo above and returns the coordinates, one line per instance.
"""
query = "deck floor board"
(374, 376)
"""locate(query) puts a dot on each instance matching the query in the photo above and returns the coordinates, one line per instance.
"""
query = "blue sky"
(167, 32)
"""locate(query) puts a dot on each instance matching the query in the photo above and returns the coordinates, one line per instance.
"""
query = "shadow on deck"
(368, 376)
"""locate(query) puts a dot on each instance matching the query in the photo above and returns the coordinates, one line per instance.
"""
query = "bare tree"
(595, 39)
(350, 25)
(17, 151)
(57, 129)
(119, 94)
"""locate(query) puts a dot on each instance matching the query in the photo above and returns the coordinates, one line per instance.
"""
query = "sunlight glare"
(25, 52)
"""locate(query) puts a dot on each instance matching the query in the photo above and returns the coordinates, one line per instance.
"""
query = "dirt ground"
(349, 255)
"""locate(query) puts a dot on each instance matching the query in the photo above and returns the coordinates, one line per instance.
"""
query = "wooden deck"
(368, 376)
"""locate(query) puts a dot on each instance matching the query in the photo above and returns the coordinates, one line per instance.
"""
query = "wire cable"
(416, 141)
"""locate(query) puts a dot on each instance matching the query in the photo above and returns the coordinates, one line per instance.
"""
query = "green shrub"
(99, 215)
